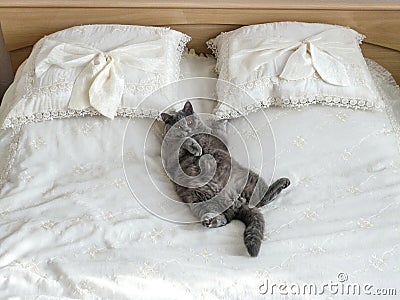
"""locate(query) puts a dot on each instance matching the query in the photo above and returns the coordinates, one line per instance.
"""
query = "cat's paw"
(283, 182)
(195, 149)
(239, 202)
(212, 220)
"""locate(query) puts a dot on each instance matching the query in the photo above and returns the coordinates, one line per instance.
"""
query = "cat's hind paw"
(212, 220)
(239, 202)
(283, 182)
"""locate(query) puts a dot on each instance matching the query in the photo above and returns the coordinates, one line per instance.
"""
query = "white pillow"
(95, 70)
(291, 64)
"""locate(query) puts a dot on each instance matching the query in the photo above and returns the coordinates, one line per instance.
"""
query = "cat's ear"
(188, 108)
(166, 117)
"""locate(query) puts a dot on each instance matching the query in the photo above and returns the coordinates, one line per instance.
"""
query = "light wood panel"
(379, 26)
(256, 4)
(388, 58)
(18, 56)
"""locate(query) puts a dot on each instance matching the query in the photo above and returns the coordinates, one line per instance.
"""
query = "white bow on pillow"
(101, 83)
(323, 53)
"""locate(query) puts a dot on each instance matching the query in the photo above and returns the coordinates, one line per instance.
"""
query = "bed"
(72, 227)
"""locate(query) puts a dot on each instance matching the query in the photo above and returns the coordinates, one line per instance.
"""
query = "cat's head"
(183, 122)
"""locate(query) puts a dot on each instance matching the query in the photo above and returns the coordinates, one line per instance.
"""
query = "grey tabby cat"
(216, 187)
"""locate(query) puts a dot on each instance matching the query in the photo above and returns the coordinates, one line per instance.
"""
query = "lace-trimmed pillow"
(95, 70)
(291, 64)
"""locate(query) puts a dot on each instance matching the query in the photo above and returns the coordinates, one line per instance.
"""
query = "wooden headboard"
(26, 21)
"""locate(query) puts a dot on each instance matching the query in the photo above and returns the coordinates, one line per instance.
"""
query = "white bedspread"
(71, 228)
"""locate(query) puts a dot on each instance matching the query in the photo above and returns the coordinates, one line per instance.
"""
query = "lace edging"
(70, 113)
(179, 51)
(12, 153)
(296, 103)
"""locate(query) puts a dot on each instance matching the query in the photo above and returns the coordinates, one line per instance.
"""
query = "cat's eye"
(178, 126)
(189, 122)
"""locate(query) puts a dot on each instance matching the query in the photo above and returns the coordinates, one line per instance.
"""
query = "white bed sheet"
(70, 227)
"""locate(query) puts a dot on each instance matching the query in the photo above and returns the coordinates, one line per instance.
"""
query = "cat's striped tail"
(254, 232)
(274, 190)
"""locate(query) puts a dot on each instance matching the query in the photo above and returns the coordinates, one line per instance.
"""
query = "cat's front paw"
(212, 220)
(195, 150)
